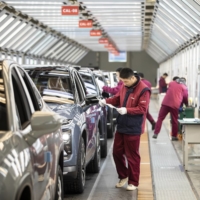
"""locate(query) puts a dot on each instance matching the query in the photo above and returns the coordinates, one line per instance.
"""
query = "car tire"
(59, 184)
(104, 146)
(110, 130)
(94, 165)
(77, 185)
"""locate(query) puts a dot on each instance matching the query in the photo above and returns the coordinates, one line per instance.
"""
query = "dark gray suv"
(63, 90)
(31, 145)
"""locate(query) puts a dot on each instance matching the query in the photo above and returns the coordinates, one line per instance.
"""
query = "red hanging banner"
(109, 46)
(85, 24)
(70, 10)
(103, 41)
(95, 33)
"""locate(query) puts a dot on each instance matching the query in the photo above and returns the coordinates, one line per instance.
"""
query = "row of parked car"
(52, 129)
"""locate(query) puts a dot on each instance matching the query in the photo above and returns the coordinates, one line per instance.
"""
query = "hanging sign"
(70, 10)
(103, 41)
(95, 33)
(109, 46)
(114, 51)
(85, 24)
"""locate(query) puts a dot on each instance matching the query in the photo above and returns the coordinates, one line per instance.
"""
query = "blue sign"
(120, 58)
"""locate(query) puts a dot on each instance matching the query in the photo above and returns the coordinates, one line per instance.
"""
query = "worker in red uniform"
(185, 94)
(171, 104)
(133, 100)
(163, 84)
(149, 117)
(114, 90)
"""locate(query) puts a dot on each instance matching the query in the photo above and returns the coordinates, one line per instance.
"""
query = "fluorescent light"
(111, 2)
(113, 7)
(3, 17)
(173, 14)
(184, 17)
(35, 2)
(6, 23)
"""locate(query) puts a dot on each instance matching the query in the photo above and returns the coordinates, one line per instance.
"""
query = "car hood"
(66, 110)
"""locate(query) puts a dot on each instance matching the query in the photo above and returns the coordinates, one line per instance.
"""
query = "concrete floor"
(193, 172)
(101, 186)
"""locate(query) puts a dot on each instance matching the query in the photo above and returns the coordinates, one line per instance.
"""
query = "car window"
(89, 83)
(115, 78)
(21, 101)
(53, 83)
(79, 88)
(99, 78)
(3, 108)
(35, 96)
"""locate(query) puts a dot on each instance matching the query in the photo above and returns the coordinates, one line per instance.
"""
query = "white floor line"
(100, 173)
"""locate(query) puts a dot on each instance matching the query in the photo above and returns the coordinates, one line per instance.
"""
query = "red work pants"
(164, 110)
(127, 145)
(149, 117)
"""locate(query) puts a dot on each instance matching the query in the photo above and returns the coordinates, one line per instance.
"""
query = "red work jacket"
(137, 104)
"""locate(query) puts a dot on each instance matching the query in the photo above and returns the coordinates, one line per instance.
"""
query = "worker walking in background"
(149, 117)
(133, 100)
(163, 84)
(116, 89)
(171, 104)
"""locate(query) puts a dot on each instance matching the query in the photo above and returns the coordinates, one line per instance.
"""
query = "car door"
(24, 110)
(52, 141)
(90, 116)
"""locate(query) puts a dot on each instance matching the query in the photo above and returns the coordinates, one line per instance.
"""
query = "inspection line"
(99, 175)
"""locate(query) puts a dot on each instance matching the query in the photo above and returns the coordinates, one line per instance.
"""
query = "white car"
(111, 78)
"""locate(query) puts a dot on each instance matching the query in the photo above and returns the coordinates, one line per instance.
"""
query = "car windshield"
(89, 83)
(3, 109)
(115, 78)
(54, 84)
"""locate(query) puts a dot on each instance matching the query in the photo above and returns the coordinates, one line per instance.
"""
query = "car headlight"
(67, 139)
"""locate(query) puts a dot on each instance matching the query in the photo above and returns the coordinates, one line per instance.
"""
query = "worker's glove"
(122, 111)
(102, 102)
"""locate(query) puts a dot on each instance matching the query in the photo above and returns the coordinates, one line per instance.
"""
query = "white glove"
(102, 102)
(122, 111)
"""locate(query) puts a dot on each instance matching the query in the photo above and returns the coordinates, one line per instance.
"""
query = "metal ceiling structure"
(26, 38)
(161, 28)
(122, 20)
(175, 25)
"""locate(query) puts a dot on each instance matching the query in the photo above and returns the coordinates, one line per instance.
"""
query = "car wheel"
(94, 165)
(77, 185)
(59, 185)
(110, 130)
(104, 146)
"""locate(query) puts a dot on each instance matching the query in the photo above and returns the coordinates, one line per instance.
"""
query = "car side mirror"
(91, 98)
(43, 123)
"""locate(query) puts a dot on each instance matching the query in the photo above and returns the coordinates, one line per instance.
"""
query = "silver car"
(31, 145)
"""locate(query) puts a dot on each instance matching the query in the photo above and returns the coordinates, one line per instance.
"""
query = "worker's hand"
(102, 102)
(122, 111)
